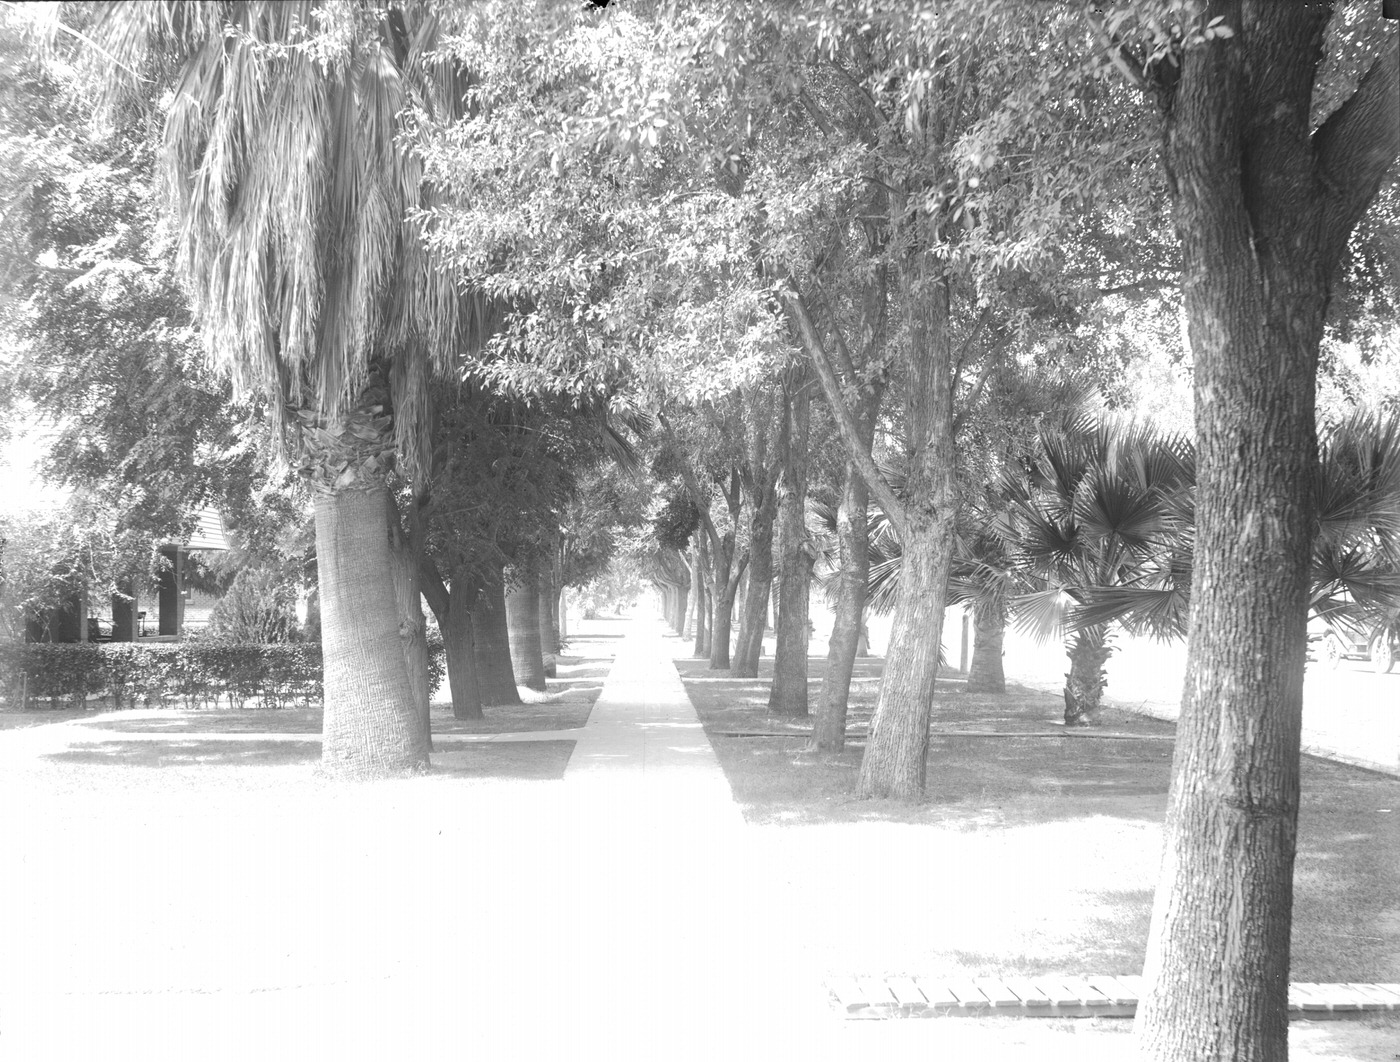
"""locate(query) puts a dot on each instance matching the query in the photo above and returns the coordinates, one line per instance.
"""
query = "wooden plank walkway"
(1068, 997)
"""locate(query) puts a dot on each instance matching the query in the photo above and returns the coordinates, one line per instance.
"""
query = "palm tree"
(287, 152)
(1098, 528)
(1355, 572)
(1356, 555)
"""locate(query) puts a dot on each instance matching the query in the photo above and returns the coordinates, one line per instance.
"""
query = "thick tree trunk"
(413, 629)
(722, 621)
(700, 579)
(459, 646)
(1088, 653)
(452, 606)
(494, 675)
(523, 626)
(788, 695)
(370, 726)
(985, 674)
(549, 634)
(749, 646)
(895, 756)
(1263, 211)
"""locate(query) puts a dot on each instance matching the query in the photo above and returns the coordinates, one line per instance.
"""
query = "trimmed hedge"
(193, 674)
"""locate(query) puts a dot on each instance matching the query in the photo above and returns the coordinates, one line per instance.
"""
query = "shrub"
(197, 674)
(260, 606)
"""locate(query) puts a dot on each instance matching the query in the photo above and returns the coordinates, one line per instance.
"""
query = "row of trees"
(451, 248)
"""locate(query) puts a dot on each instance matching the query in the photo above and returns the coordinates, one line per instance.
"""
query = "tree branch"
(434, 589)
(989, 362)
(1355, 147)
(872, 109)
(1123, 60)
(845, 420)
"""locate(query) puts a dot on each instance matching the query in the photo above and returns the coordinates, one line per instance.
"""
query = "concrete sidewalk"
(644, 750)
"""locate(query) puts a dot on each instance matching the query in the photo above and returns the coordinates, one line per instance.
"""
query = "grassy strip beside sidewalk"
(1051, 844)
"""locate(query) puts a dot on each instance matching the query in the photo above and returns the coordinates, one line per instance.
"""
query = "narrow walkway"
(644, 748)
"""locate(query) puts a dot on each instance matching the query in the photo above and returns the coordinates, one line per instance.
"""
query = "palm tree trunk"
(985, 674)
(523, 626)
(494, 674)
(371, 726)
(788, 695)
(1084, 683)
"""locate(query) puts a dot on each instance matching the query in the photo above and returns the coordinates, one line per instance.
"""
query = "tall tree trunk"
(459, 646)
(494, 675)
(682, 604)
(702, 582)
(852, 580)
(549, 633)
(754, 619)
(452, 606)
(1088, 653)
(726, 586)
(896, 753)
(413, 629)
(985, 674)
(523, 626)
(788, 695)
(853, 575)
(1264, 210)
(370, 726)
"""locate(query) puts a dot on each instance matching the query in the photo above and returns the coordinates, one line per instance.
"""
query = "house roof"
(208, 533)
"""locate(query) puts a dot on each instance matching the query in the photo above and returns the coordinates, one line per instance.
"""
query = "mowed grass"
(1033, 854)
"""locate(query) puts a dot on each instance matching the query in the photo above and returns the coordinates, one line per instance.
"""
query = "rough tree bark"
(523, 625)
(1089, 651)
(788, 694)
(895, 757)
(494, 674)
(985, 674)
(1264, 209)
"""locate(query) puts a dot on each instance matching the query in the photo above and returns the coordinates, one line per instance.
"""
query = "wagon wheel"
(1332, 651)
(1382, 653)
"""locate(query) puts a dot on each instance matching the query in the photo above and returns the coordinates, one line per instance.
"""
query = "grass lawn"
(1044, 850)
(194, 747)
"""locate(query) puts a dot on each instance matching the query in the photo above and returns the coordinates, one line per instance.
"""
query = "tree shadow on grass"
(247, 721)
(525, 760)
(187, 753)
(1109, 938)
(1346, 923)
